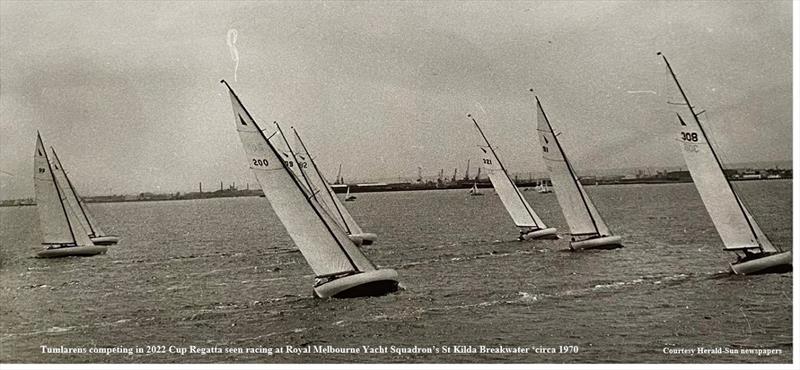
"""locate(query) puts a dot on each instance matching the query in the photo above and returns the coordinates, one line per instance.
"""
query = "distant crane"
(466, 173)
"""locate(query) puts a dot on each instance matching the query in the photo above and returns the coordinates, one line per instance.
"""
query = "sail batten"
(735, 226)
(324, 245)
(515, 203)
(579, 211)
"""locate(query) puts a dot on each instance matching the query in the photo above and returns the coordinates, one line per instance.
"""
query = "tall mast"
(713, 152)
(72, 189)
(291, 175)
(296, 162)
(569, 165)
(58, 191)
(330, 195)
(503, 168)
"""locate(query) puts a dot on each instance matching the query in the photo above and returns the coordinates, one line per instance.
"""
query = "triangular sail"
(516, 205)
(736, 227)
(326, 196)
(58, 221)
(74, 200)
(579, 211)
(324, 245)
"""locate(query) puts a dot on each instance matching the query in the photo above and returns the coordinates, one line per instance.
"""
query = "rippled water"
(223, 272)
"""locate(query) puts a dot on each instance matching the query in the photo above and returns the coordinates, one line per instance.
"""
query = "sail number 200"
(689, 136)
(260, 162)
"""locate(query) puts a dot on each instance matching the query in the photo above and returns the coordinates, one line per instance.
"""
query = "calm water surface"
(223, 272)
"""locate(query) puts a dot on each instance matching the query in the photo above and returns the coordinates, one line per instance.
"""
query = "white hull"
(364, 284)
(89, 250)
(780, 262)
(366, 238)
(357, 239)
(603, 242)
(548, 233)
(105, 240)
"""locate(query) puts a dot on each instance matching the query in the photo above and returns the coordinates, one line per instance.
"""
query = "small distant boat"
(341, 269)
(97, 235)
(348, 197)
(61, 228)
(543, 188)
(586, 227)
(328, 199)
(474, 191)
(738, 230)
(528, 222)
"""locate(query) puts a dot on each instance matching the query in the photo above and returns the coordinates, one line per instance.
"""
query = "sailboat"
(529, 224)
(474, 191)
(543, 188)
(341, 269)
(586, 227)
(327, 197)
(348, 197)
(97, 235)
(61, 228)
(738, 230)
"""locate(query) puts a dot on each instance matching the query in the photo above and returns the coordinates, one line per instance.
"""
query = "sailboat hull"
(105, 240)
(774, 263)
(603, 242)
(366, 238)
(88, 250)
(356, 239)
(548, 233)
(365, 284)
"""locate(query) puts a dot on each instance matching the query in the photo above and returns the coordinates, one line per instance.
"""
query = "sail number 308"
(689, 136)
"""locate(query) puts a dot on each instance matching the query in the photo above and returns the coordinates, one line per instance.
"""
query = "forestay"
(581, 215)
(326, 247)
(74, 201)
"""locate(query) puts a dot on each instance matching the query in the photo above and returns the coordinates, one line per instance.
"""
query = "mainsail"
(580, 213)
(325, 193)
(521, 212)
(324, 245)
(74, 200)
(59, 223)
(736, 227)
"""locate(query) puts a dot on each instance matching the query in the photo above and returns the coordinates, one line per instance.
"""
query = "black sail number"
(689, 136)
(258, 162)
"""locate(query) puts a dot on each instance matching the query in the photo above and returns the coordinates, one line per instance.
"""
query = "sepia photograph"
(396, 182)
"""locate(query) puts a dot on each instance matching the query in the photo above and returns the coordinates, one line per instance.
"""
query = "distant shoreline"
(366, 188)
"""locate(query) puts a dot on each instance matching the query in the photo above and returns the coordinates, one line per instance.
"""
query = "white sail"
(326, 196)
(58, 222)
(73, 199)
(581, 215)
(516, 205)
(727, 213)
(326, 247)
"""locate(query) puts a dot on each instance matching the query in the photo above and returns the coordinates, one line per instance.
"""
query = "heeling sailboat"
(341, 269)
(328, 198)
(587, 228)
(474, 191)
(97, 236)
(738, 230)
(529, 223)
(61, 228)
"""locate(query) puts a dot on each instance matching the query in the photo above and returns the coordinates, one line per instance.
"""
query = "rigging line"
(291, 175)
(503, 168)
(569, 166)
(703, 132)
(58, 192)
(74, 193)
(322, 179)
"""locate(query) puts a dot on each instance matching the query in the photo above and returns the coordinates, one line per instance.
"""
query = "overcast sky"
(129, 93)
